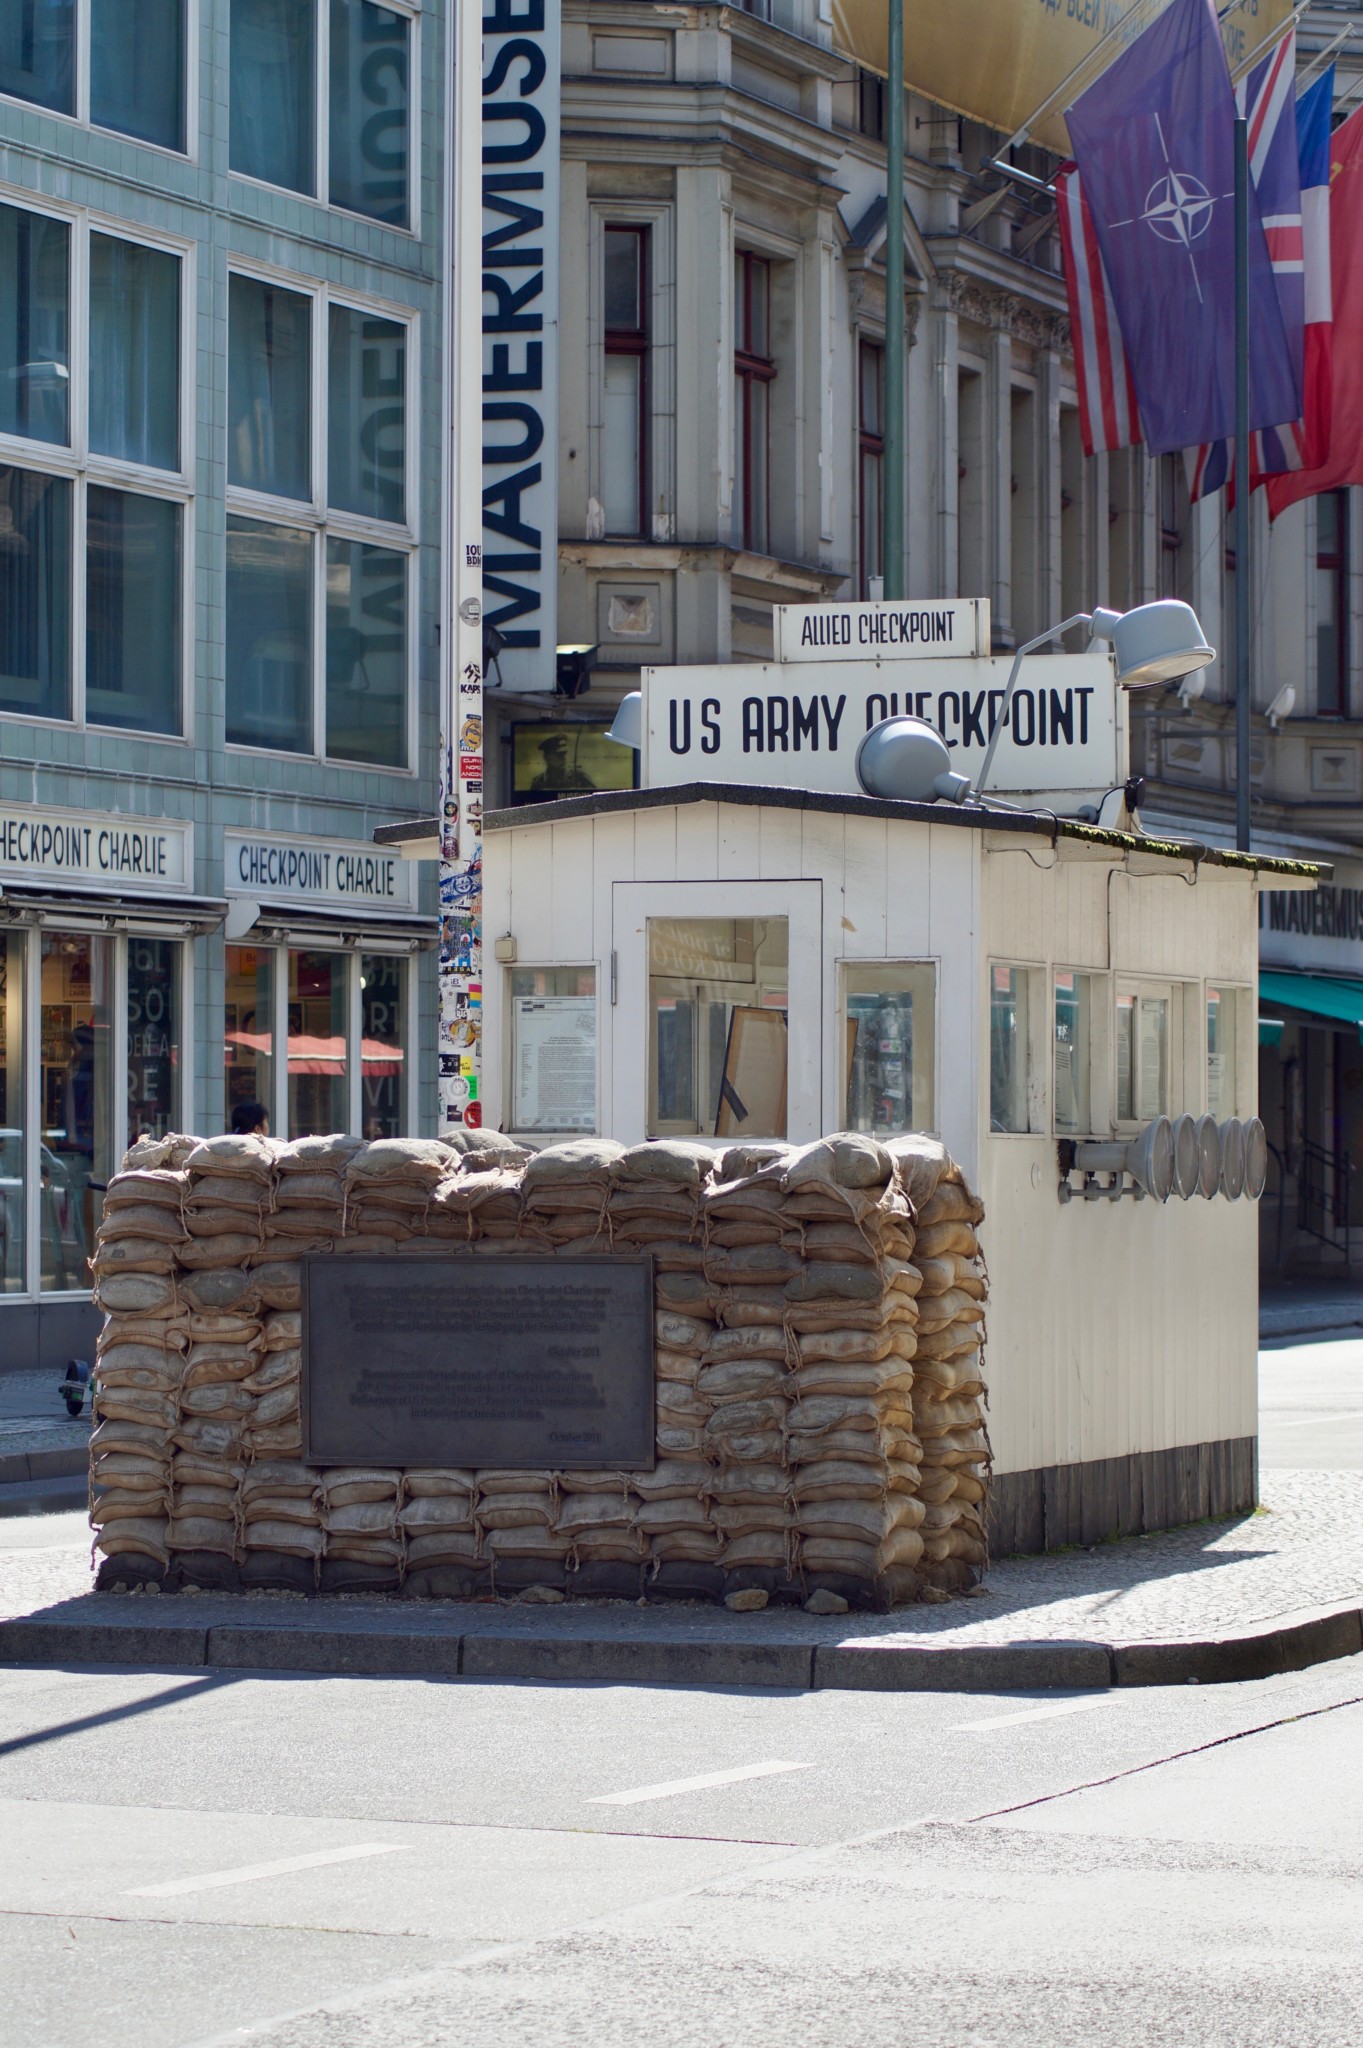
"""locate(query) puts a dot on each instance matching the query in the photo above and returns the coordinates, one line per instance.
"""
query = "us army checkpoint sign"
(799, 725)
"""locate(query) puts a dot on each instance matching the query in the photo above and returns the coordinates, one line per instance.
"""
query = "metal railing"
(1324, 1179)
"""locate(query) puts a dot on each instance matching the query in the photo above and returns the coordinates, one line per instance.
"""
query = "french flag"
(1304, 446)
(1267, 99)
(1109, 417)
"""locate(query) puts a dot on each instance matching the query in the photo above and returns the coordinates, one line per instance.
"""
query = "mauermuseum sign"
(537, 1364)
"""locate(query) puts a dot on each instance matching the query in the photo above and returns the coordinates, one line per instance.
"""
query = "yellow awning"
(1000, 60)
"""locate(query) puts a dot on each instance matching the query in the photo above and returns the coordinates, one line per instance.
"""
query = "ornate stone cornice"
(1003, 312)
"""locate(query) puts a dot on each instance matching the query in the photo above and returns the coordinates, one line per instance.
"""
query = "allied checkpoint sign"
(882, 629)
(798, 724)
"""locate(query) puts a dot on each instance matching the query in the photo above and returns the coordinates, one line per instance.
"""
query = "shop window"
(38, 53)
(1010, 1049)
(249, 1026)
(754, 373)
(890, 1034)
(269, 388)
(718, 998)
(1074, 1009)
(269, 636)
(132, 610)
(1332, 604)
(870, 461)
(35, 326)
(134, 352)
(284, 55)
(1226, 1007)
(89, 532)
(553, 1049)
(76, 1101)
(383, 1024)
(319, 1095)
(357, 708)
(153, 1038)
(1145, 1038)
(35, 593)
(624, 426)
(13, 1159)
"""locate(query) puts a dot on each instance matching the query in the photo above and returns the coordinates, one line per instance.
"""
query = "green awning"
(1320, 995)
(1271, 1030)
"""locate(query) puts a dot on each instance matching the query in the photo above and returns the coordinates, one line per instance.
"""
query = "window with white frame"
(321, 555)
(94, 474)
(321, 96)
(1013, 1005)
(1228, 1033)
(342, 1021)
(1150, 1022)
(119, 64)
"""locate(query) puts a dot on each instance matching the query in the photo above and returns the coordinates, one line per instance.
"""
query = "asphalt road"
(1311, 1405)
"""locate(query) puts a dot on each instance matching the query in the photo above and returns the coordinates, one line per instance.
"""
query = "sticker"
(449, 1065)
(471, 765)
(473, 1116)
(473, 555)
(471, 735)
(468, 1066)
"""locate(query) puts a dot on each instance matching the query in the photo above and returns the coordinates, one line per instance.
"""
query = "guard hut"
(751, 947)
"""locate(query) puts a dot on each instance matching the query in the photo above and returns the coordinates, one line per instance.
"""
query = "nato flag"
(1154, 138)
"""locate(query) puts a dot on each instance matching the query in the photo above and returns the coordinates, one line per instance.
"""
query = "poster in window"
(555, 1056)
(752, 1095)
(567, 758)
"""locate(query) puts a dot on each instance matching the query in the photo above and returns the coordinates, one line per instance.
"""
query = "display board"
(554, 1039)
(534, 1364)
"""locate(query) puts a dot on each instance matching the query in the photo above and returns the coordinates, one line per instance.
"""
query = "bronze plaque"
(529, 1363)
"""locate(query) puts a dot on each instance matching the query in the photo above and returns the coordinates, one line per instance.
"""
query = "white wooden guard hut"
(732, 961)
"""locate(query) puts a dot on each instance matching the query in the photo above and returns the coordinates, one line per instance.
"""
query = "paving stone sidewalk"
(38, 1439)
(1297, 1562)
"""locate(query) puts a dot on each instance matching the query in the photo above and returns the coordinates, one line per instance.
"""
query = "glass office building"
(219, 518)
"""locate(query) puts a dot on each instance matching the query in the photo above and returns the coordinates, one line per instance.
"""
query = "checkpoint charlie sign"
(802, 722)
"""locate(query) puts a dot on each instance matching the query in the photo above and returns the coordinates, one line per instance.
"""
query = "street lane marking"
(676, 1785)
(249, 1871)
(1050, 1713)
(1305, 1421)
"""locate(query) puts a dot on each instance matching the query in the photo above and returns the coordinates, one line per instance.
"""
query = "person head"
(250, 1120)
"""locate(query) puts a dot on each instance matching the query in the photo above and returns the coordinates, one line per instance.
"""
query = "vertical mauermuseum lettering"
(520, 330)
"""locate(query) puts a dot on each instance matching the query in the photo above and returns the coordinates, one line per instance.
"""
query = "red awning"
(311, 1054)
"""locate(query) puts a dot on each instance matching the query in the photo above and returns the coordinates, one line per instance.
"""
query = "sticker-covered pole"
(461, 637)
(892, 500)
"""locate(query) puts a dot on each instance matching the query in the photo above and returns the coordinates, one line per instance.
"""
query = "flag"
(1342, 425)
(1154, 139)
(1108, 415)
(1267, 101)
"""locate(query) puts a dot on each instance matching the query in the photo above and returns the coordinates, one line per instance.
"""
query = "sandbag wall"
(819, 1369)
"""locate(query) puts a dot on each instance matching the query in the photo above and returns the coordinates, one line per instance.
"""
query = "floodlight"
(1209, 1152)
(1150, 1159)
(907, 760)
(1256, 1158)
(1155, 643)
(628, 729)
(1187, 1157)
(1232, 1159)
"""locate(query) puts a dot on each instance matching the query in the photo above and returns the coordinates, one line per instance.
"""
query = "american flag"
(1268, 100)
(1108, 415)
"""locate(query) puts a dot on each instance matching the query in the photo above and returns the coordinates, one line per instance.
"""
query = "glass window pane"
(758, 525)
(1222, 1018)
(620, 443)
(13, 1116)
(1008, 1049)
(134, 352)
(718, 994)
(1142, 1057)
(38, 52)
(269, 636)
(132, 611)
(274, 92)
(383, 1023)
(35, 365)
(370, 90)
(35, 593)
(137, 69)
(889, 1045)
(623, 249)
(1073, 1053)
(248, 1027)
(553, 1048)
(153, 1038)
(269, 388)
(318, 1095)
(366, 654)
(367, 415)
(76, 1100)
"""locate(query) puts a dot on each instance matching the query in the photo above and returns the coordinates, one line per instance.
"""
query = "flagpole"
(1242, 486)
(892, 492)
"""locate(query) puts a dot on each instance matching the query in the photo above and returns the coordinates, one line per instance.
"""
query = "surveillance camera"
(1282, 704)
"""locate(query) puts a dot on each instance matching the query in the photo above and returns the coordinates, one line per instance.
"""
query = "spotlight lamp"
(628, 729)
(1190, 1155)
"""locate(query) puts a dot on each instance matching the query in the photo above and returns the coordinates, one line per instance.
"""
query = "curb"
(865, 1665)
(16, 1467)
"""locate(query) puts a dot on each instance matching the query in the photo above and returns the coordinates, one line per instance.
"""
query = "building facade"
(219, 522)
(721, 408)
